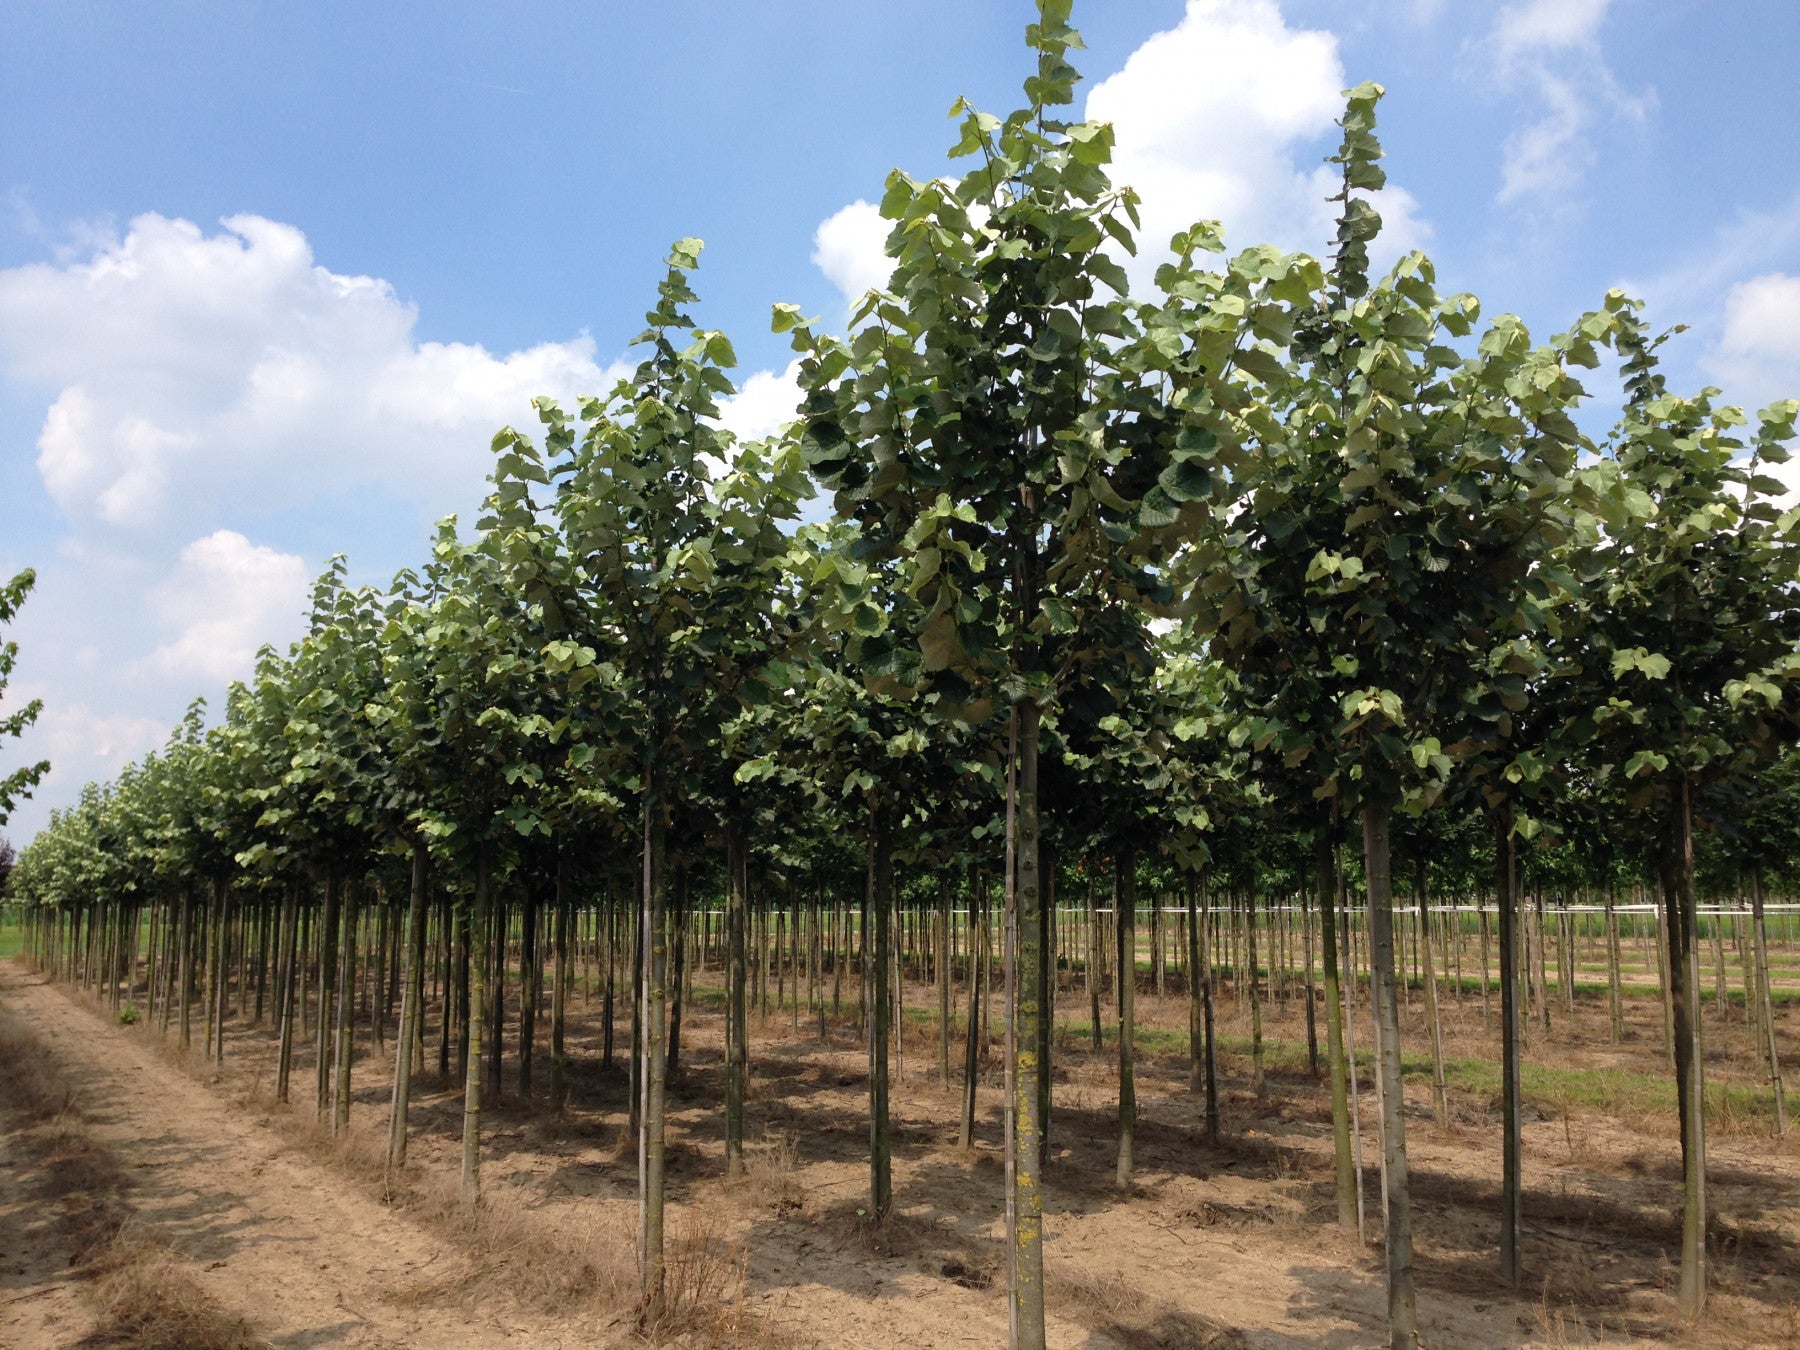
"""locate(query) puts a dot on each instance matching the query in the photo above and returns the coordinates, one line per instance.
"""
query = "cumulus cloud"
(191, 369)
(763, 404)
(227, 597)
(1757, 356)
(848, 248)
(1242, 145)
(1550, 50)
(84, 745)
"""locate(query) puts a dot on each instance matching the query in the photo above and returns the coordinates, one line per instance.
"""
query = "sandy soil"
(311, 1260)
(1214, 1246)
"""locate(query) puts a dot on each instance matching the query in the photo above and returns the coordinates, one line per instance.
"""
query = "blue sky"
(271, 276)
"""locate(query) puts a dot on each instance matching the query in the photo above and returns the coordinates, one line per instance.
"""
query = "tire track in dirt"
(311, 1261)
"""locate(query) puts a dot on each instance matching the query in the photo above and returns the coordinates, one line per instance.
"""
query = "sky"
(271, 276)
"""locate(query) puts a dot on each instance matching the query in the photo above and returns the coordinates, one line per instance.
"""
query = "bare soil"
(1233, 1245)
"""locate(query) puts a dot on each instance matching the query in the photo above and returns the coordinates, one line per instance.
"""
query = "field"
(1230, 1244)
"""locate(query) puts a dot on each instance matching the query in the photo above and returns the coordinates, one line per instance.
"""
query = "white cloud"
(194, 370)
(228, 597)
(763, 404)
(82, 744)
(1551, 49)
(1756, 357)
(848, 248)
(1547, 25)
(1242, 144)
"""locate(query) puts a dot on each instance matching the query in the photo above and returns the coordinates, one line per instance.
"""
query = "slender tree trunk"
(737, 1055)
(655, 1031)
(411, 997)
(1258, 1085)
(285, 984)
(1336, 1067)
(1511, 1138)
(1690, 1082)
(1125, 915)
(1615, 1003)
(184, 962)
(346, 1010)
(476, 953)
(1403, 1331)
(559, 991)
(328, 944)
(943, 978)
(1440, 1091)
(1028, 998)
(529, 985)
(965, 1137)
(1312, 1017)
(880, 956)
(1767, 1008)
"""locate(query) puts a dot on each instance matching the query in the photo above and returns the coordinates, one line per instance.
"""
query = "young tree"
(1030, 447)
(19, 782)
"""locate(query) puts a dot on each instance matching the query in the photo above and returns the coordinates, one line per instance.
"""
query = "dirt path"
(275, 1237)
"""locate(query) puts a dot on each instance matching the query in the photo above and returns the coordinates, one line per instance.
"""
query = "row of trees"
(1108, 575)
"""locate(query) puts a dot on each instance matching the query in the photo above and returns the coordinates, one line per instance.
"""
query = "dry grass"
(144, 1293)
(148, 1299)
(771, 1182)
(1113, 1305)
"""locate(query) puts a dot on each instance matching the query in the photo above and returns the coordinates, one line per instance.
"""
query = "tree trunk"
(412, 991)
(880, 956)
(475, 955)
(346, 1014)
(1615, 1003)
(285, 983)
(1125, 917)
(328, 944)
(1026, 1195)
(1690, 1082)
(654, 1019)
(1403, 1330)
(737, 1055)
(1766, 1009)
(965, 1136)
(943, 978)
(559, 990)
(1335, 1065)
(1440, 1092)
(1511, 1138)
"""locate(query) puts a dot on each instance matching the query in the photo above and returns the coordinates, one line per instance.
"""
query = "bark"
(654, 1020)
(185, 944)
(1026, 1196)
(346, 1013)
(880, 956)
(1347, 1195)
(328, 945)
(475, 953)
(529, 985)
(1258, 1084)
(1403, 1330)
(1511, 1139)
(1125, 917)
(965, 1136)
(1767, 1008)
(678, 974)
(559, 990)
(737, 1056)
(1615, 1003)
(943, 979)
(1690, 1081)
(286, 981)
(1440, 1092)
(412, 992)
